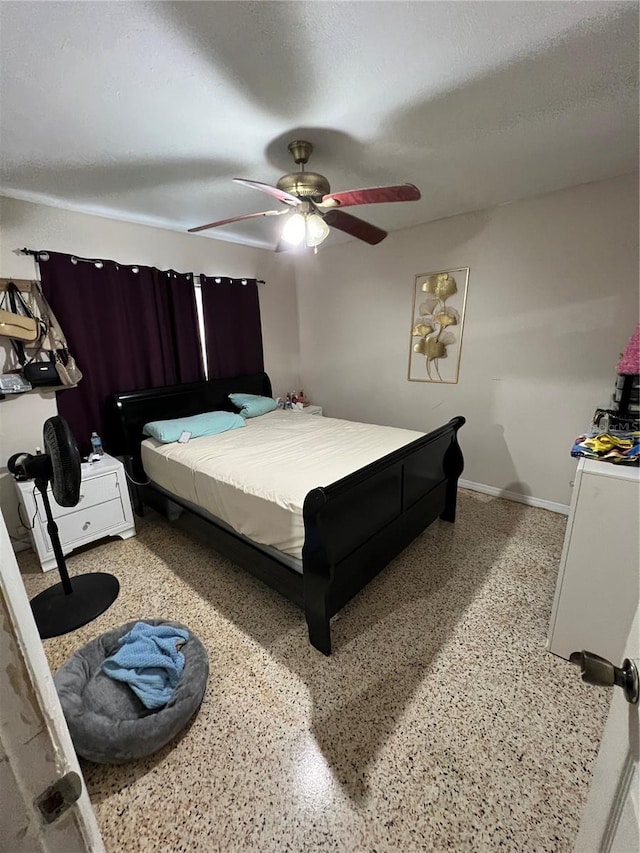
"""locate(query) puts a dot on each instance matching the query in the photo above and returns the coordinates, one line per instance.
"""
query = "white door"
(610, 822)
(35, 747)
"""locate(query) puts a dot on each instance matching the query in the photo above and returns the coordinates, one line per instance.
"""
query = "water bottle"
(96, 445)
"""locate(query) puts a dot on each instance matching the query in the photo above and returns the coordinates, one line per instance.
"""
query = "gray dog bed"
(107, 721)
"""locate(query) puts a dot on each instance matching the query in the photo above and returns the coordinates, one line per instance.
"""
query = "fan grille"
(61, 447)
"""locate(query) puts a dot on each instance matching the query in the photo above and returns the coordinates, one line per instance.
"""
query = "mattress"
(255, 479)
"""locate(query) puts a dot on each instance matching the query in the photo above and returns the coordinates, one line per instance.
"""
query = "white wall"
(41, 227)
(552, 300)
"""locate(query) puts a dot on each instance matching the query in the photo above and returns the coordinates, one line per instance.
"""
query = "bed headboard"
(131, 410)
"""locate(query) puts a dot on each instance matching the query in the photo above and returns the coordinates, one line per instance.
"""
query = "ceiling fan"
(313, 209)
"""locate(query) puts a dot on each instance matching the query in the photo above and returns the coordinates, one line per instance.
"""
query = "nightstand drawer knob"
(85, 526)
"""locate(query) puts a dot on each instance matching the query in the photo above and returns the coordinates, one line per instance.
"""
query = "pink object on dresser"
(630, 361)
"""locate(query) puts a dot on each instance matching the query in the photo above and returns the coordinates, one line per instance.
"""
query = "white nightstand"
(104, 509)
(309, 410)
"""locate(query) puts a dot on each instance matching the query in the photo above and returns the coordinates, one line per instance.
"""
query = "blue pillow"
(208, 423)
(251, 405)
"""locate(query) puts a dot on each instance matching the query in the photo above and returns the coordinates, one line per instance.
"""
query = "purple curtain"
(232, 326)
(127, 331)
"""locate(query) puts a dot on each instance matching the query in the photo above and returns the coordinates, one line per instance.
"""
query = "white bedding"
(256, 478)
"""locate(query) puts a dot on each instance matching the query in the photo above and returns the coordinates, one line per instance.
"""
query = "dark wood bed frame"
(353, 527)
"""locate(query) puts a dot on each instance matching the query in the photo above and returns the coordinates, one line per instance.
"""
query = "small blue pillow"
(208, 423)
(252, 405)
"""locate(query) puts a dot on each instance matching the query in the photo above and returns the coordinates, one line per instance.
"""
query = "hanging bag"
(20, 325)
(38, 373)
(42, 373)
(68, 372)
(17, 327)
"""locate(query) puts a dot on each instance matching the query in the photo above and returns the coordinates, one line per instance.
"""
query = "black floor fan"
(71, 603)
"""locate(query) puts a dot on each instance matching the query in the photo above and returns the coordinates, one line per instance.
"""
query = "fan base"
(57, 613)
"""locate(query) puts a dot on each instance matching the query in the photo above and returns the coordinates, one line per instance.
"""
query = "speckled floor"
(439, 722)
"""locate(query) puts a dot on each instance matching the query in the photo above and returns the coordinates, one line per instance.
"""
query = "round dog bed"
(107, 721)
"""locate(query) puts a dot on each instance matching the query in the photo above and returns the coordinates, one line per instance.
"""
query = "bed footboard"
(356, 526)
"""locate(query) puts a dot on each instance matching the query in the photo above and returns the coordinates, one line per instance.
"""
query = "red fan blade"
(374, 195)
(237, 219)
(281, 195)
(354, 226)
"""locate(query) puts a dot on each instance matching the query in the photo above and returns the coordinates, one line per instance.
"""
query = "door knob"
(597, 670)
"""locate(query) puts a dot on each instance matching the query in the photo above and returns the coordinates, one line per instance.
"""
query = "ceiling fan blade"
(354, 226)
(237, 219)
(281, 195)
(373, 195)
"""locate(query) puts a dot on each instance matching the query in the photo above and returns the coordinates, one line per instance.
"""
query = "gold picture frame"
(437, 324)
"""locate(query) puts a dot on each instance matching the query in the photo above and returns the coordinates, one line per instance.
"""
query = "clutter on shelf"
(614, 434)
(293, 400)
(609, 447)
(626, 396)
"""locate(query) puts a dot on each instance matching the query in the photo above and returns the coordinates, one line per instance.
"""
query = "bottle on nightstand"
(96, 446)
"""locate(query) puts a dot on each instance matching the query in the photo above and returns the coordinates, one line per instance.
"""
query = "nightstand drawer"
(97, 490)
(90, 523)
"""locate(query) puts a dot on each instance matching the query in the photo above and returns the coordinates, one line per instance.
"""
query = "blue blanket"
(149, 662)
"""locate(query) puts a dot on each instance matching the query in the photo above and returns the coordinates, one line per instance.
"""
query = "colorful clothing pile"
(624, 447)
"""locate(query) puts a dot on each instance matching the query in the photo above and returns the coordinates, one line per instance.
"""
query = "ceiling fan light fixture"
(294, 230)
(317, 230)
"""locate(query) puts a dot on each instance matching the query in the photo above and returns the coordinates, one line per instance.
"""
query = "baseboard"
(20, 545)
(552, 506)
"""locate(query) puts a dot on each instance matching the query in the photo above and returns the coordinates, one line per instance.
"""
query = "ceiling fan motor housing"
(300, 150)
(305, 185)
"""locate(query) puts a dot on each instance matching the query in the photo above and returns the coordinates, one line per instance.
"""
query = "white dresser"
(104, 509)
(597, 587)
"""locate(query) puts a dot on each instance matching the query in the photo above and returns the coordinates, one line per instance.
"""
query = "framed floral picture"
(439, 301)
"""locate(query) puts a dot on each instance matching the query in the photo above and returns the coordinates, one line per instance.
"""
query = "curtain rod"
(244, 279)
(36, 253)
(41, 255)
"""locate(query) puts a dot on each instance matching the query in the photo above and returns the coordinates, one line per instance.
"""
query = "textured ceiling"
(145, 111)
